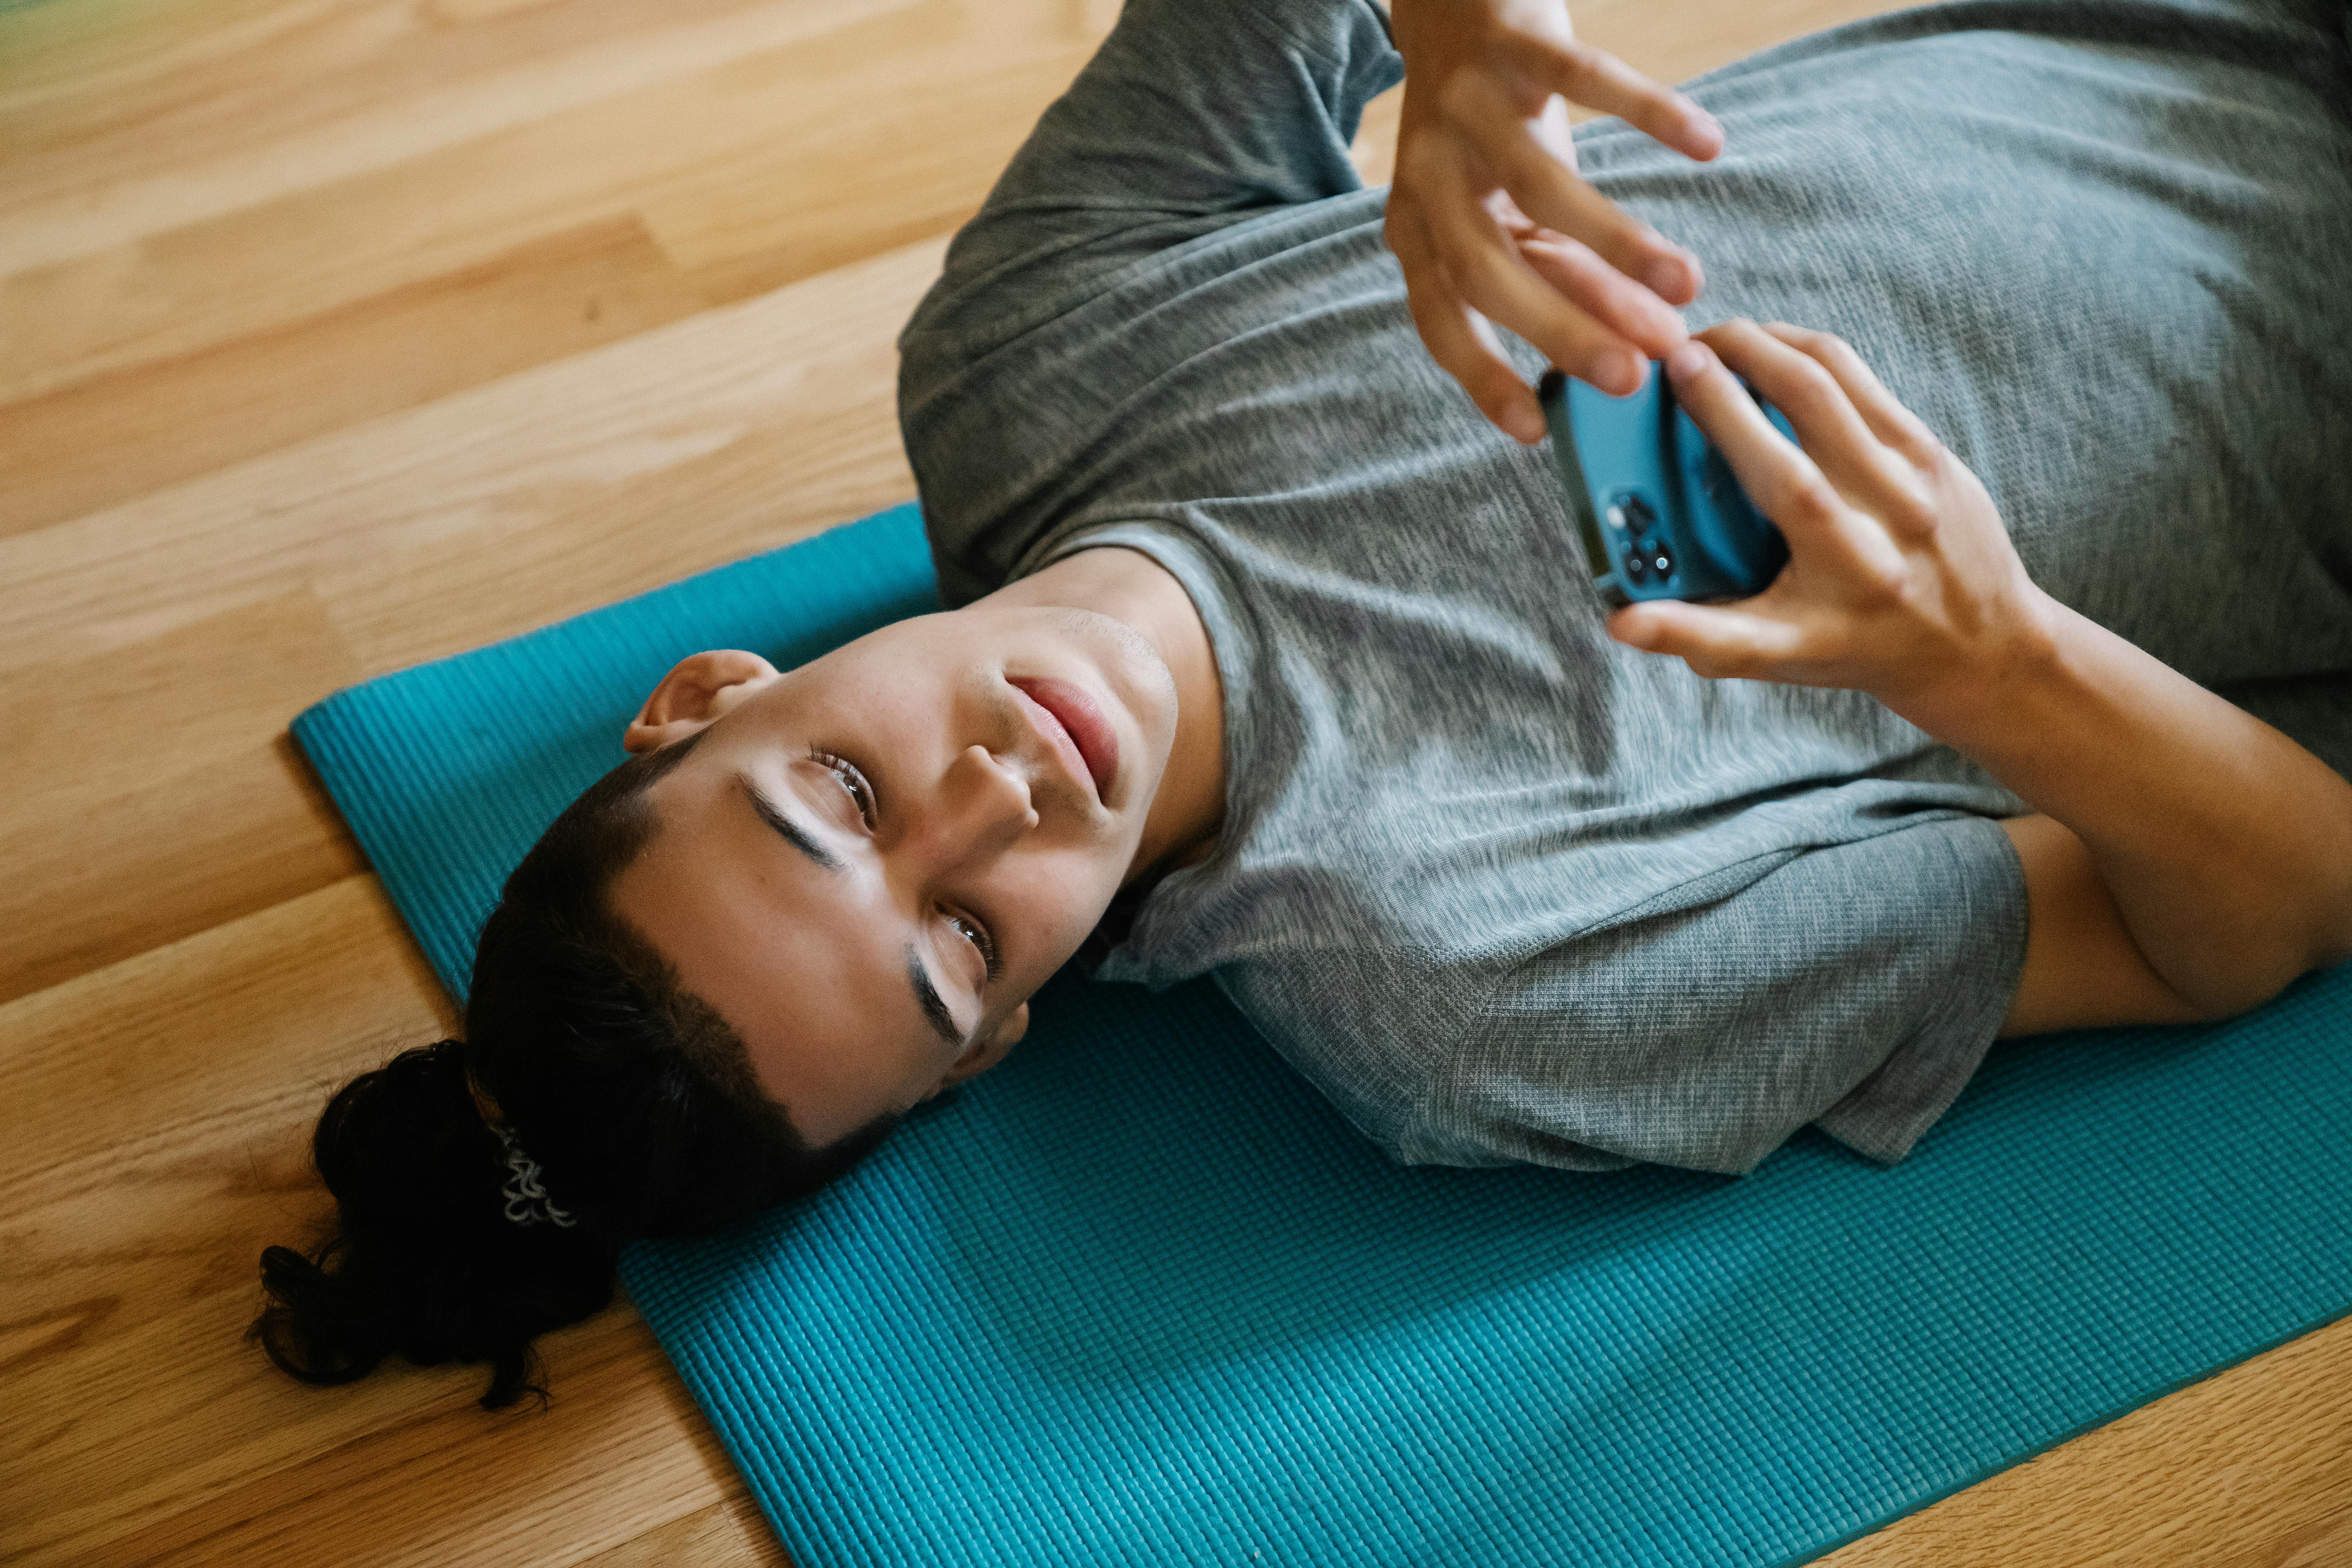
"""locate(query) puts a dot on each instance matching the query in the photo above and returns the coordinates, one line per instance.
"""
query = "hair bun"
(394, 1142)
(427, 1264)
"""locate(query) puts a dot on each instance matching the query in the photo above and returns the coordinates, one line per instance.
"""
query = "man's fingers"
(1607, 295)
(1550, 191)
(1783, 481)
(1833, 432)
(1462, 344)
(1714, 641)
(1492, 279)
(1888, 420)
(1598, 79)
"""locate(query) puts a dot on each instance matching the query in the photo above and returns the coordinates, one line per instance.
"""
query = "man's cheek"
(1070, 900)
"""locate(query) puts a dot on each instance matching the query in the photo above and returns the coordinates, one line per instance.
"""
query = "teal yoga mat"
(1141, 1297)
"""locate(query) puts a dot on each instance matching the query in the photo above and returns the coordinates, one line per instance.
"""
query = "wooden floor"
(339, 334)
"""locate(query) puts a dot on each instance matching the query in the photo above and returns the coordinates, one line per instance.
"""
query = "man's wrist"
(2016, 666)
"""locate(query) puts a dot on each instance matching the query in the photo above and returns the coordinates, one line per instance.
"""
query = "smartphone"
(1657, 507)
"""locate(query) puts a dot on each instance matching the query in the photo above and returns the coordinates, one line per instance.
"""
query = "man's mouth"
(1082, 725)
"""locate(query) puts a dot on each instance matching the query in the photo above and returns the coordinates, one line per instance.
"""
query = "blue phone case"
(1657, 505)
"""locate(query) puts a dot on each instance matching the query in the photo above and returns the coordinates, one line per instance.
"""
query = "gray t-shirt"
(1503, 889)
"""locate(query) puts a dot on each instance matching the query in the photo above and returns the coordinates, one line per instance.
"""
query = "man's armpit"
(2082, 970)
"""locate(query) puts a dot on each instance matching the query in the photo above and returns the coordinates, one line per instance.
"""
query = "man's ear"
(984, 1054)
(697, 691)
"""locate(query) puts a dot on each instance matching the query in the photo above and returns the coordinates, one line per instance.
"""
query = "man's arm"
(2082, 967)
(2189, 860)
(1193, 112)
(1190, 114)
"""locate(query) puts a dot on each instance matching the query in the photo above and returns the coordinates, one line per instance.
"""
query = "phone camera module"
(1629, 513)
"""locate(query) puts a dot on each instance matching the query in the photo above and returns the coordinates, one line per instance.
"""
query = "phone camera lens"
(1636, 567)
(1632, 514)
(1664, 560)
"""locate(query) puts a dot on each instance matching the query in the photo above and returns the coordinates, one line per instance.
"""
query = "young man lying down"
(1271, 653)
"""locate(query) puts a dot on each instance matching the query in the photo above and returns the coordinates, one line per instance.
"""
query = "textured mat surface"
(1139, 1297)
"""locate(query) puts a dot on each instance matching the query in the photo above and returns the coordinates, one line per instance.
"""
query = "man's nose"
(982, 807)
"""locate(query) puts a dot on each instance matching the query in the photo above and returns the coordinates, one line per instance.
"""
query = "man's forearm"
(2190, 860)
(2226, 847)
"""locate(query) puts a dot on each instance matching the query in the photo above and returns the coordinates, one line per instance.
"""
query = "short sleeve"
(1191, 114)
(1854, 988)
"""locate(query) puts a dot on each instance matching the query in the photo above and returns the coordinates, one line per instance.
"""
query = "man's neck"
(1181, 824)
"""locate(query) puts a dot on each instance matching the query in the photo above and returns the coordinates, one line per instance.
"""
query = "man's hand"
(2188, 859)
(1901, 581)
(1491, 222)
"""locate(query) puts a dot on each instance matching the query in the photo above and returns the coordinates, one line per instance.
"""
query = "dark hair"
(636, 1098)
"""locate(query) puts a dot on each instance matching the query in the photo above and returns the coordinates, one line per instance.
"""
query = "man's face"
(874, 859)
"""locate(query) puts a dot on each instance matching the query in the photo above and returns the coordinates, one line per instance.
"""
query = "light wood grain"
(127, 433)
(338, 335)
(194, 621)
(665, 149)
(729, 1531)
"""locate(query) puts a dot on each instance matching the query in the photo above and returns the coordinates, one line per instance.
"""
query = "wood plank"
(124, 124)
(168, 798)
(503, 463)
(319, 247)
(775, 210)
(126, 433)
(729, 1531)
(191, 624)
(619, 1447)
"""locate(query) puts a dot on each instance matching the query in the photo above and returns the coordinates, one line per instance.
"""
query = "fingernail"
(1688, 360)
(1527, 425)
(1665, 275)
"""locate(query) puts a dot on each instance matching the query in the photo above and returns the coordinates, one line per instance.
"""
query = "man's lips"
(1082, 722)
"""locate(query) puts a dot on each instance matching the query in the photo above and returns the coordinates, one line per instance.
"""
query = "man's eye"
(973, 931)
(842, 769)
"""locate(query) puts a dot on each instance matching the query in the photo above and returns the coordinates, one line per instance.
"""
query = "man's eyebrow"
(773, 815)
(927, 996)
